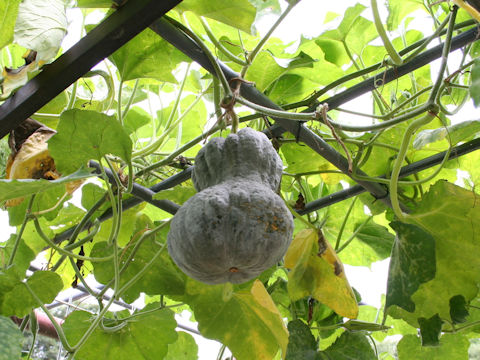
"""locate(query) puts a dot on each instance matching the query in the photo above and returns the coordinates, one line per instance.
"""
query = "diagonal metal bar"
(409, 169)
(331, 199)
(182, 42)
(387, 76)
(103, 40)
(141, 194)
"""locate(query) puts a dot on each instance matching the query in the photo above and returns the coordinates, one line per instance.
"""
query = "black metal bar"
(406, 170)
(103, 40)
(141, 192)
(182, 42)
(387, 76)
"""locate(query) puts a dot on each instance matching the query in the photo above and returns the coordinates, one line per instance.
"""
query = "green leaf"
(83, 135)
(350, 345)
(453, 346)
(412, 263)
(377, 237)
(147, 55)
(11, 339)
(301, 343)
(264, 70)
(239, 13)
(350, 16)
(430, 330)
(334, 51)
(463, 131)
(162, 277)
(145, 336)
(135, 119)
(178, 195)
(450, 214)
(458, 309)
(12, 189)
(300, 158)
(475, 87)
(41, 26)
(23, 257)
(8, 16)
(246, 320)
(399, 9)
(16, 300)
(185, 348)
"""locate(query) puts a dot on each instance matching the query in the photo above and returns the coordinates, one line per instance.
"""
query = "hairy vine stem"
(261, 43)
(219, 45)
(394, 56)
(19, 235)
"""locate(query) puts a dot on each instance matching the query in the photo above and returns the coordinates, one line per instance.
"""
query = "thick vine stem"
(61, 250)
(424, 120)
(20, 232)
(316, 115)
(394, 56)
(58, 328)
(446, 50)
(154, 145)
(219, 45)
(207, 52)
(261, 43)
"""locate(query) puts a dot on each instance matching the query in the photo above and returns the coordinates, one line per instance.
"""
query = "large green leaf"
(83, 135)
(451, 215)
(350, 345)
(11, 189)
(10, 340)
(453, 346)
(8, 15)
(412, 264)
(430, 330)
(185, 348)
(377, 237)
(147, 55)
(23, 256)
(239, 13)
(246, 320)
(145, 336)
(357, 253)
(162, 276)
(475, 87)
(41, 26)
(463, 131)
(351, 15)
(399, 9)
(301, 343)
(15, 299)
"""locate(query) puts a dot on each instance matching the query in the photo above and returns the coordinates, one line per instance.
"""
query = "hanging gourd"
(236, 226)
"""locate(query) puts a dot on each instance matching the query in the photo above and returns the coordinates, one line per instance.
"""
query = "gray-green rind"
(247, 154)
(230, 232)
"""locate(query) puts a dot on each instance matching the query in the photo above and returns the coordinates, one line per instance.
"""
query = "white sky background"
(306, 18)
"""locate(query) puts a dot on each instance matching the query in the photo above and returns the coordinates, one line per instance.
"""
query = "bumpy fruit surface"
(236, 226)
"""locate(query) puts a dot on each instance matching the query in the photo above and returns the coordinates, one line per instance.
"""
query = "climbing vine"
(374, 118)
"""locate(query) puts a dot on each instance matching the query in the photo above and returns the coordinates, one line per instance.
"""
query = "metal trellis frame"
(134, 17)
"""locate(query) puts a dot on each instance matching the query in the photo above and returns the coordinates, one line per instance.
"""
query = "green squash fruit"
(247, 154)
(236, 227)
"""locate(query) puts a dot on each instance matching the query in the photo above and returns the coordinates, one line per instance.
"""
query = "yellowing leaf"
(246, 320)
(317, 271)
